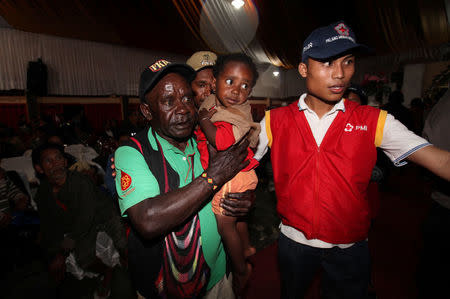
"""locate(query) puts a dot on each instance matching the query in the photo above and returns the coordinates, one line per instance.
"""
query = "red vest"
(322, 191)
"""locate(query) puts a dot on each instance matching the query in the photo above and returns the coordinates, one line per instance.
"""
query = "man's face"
(234, 83)
(53, 165)
(202, 86)
(327, 80)
(171, 105)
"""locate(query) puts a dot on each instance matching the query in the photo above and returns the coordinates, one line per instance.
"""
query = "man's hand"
(57, 267)
(224, 165)
(238, 204)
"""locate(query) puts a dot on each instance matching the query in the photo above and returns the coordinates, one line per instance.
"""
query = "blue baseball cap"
(330, 41)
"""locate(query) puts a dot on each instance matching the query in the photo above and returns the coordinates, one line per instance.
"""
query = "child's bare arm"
(208, 128)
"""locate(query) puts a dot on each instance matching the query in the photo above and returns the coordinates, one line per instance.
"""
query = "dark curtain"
(98, 114)
(10, 114)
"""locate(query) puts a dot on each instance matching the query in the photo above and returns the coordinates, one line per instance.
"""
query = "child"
(224, 118)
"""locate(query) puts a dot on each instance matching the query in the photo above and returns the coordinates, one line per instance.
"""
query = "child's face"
(328, 80)
(234, 83)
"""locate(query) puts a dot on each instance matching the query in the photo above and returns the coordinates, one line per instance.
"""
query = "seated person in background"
(224, 118)
(58, 139)
(395, 107)
(77, 220)
(12, 199)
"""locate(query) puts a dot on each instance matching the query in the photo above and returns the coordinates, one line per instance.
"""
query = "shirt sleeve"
(398, 142)
(263, 143)
(134, 180)
(13, 192)
(224, 135)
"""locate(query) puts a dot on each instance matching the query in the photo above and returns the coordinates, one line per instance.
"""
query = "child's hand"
(204, 114)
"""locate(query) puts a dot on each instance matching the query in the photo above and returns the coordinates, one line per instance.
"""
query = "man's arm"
(399, 143)
(434, 159)
(157, 216)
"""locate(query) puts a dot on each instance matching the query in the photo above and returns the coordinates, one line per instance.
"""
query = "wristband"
(209, 180)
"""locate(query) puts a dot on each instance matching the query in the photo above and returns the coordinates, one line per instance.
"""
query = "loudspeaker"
(37, 78)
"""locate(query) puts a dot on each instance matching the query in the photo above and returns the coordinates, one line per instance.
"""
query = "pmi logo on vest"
(349, 127)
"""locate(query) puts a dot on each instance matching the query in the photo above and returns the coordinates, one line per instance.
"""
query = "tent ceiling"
(279, 27)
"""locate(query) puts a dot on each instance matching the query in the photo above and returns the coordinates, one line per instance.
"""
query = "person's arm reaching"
(399, 143)
(434, 159)
(156, 216)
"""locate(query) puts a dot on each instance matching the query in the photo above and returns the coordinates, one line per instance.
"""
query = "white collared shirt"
(397, 143)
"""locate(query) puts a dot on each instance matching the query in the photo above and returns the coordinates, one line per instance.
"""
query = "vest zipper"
(316, 196)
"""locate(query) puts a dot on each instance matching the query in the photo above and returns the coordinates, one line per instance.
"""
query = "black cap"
(329, 41)
(153, 73)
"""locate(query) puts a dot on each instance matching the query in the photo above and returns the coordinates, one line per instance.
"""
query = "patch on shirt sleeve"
(125, 181)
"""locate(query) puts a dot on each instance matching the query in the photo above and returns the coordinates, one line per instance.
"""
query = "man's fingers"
(235, 208)
(246, 195)
(236, 204)
(234, 213)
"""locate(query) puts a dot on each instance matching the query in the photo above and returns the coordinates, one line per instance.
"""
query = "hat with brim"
(155, 72)
(331, 41)
(201, 60)
(344, 47)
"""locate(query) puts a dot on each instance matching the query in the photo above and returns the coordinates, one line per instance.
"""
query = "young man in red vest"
(323, 150)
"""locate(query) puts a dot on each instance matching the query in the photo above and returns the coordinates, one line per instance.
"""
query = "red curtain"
(10, 114)
(98, 114)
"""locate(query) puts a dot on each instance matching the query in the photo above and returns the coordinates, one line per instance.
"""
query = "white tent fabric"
(77, 67)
